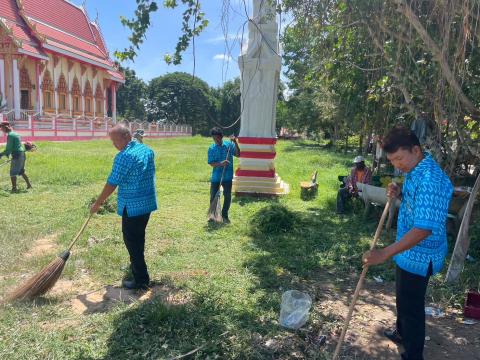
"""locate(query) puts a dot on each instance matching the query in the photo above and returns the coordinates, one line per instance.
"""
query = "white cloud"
(221, 38)
(222, 57)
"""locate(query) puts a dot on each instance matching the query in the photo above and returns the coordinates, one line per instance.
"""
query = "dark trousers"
(342, 196)
(410, 293)
(227, 195)
(133, 229)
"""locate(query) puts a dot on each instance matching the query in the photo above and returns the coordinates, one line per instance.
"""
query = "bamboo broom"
(360, 281)
(43, 281)
(215, 211)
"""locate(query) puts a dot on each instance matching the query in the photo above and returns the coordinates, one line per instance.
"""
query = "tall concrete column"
(2, 82)
(38, 76)
(16, 88)
(114, 102)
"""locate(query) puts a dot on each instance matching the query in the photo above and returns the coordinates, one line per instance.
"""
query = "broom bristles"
(40, 283)
(215, 210)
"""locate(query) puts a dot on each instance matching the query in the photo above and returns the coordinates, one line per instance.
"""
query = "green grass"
(248, 264)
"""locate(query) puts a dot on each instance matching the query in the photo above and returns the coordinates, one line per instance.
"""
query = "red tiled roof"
(79, 53)
(58, 26)
(62, 15)
(67, 39)
(99, 38)
(116, 75)
(9, 10)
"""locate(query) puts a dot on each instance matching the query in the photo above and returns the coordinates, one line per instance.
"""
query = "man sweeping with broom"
(16, 150)
(421, 245)
(220, 158)
(133, 173)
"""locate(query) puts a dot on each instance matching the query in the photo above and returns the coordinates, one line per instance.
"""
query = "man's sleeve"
(121, 167)
(432, 200)
(9, 146)
(211, 156)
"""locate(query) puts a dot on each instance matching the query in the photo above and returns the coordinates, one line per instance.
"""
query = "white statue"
(260, 64)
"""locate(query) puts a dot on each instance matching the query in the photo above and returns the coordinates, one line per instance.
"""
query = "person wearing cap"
(217, 159)
(359, 173)
(139, 135)
(421, 244)
(15, 149)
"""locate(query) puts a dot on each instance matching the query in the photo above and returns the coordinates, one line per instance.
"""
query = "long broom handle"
(5, 163)
(225, 166)
(79, 233)
(362, 278)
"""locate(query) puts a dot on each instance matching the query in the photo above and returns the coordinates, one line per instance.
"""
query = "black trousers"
(133, 229)
(342, 196)
(227, 195)
(410, 294)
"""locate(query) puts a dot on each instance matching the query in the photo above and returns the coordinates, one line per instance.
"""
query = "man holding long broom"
(133, 173)
(220, 158)
(421, 245)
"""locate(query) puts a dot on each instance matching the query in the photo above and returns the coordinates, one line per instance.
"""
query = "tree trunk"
(463, 240)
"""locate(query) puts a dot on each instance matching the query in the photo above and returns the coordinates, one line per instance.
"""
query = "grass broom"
(215, 210)
(361, 280)
(43, 281)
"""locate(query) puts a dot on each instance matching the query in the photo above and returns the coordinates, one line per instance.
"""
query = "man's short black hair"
(216, 131)
(399, 138)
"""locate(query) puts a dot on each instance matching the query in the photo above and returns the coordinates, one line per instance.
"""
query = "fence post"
(54, 125)
(31, 124)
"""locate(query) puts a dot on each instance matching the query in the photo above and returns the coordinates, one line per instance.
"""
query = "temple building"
(54, 65)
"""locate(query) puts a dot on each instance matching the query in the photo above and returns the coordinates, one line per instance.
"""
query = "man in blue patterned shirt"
(133, 172)
(217, 159)
(421, 245)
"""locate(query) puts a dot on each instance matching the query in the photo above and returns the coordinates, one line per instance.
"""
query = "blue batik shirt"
(426, 196)
(217, 153)
(133, 172)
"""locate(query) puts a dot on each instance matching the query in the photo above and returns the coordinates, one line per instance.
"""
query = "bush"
(273, 219)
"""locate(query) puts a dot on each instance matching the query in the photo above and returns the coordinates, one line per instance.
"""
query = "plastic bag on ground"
(295, 309)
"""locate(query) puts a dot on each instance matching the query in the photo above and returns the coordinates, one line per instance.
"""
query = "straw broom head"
(43, 281)
(40, 283)
(215, 210)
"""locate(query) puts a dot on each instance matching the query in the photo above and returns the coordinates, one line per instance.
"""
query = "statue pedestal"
(256, 173)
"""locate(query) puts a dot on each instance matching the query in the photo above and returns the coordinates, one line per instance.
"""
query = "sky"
(214, 62)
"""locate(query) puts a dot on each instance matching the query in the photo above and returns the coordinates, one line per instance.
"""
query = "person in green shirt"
(15, 149)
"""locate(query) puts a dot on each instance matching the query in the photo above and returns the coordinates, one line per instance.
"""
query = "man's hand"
(393, 190)
(374, 257)
(95, 207)
(224, 163)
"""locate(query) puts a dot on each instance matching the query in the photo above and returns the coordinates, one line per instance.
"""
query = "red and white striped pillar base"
(256, 172)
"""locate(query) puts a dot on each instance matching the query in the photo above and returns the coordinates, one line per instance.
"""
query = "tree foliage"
(179, 98)
(131, 96)
(193, 23)
(368, 65)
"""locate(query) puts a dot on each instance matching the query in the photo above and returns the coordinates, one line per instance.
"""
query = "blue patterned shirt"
(217, 153)
(133, 172)
(426, 197)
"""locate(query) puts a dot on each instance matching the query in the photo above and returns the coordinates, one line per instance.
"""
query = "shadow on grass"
(199, 326)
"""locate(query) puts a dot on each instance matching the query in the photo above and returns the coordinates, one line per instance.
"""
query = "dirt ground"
(447, 337)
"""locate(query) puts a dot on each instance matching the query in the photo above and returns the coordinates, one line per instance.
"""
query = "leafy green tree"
(131, 97)
(179, 98)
